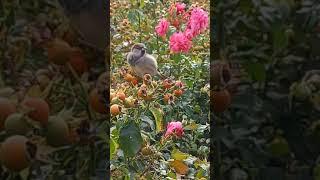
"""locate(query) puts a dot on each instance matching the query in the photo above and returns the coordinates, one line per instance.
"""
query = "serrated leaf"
(178, 155)
(158, 116)
(130, 139)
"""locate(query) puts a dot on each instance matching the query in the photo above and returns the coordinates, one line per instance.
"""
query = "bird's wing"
(145, 66)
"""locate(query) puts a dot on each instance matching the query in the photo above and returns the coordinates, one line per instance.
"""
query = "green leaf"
(141, 4)
(280, 38)
(113, 147)
(130, 139)
(133, 17)
(178, 155)
(257, 71)
(158, 116)
(148, 121)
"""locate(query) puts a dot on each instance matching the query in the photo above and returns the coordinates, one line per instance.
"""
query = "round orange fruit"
(6, 108)
(167, 83)
(115, 109)
(14, 154)
(128, 77)
(121, 96)
(95, 102)
(39, 109)
(78, 62)
(178, 92)
(59, 51)
(221, 100)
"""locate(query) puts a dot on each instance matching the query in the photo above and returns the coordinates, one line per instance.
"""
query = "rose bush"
(162, 129)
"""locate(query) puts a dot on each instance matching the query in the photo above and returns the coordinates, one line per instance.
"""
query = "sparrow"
(141, 62)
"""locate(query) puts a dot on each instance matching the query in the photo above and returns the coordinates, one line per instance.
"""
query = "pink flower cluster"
(197, 22)
(174, 128)
(178, 8)
(162, 27)
(179, 42)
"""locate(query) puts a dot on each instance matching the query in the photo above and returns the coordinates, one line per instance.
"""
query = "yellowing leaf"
(178, 155)
(180, 167)
(34, 91)
(192, 126)
(158, 116)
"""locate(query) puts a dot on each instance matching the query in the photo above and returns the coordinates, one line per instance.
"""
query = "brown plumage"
(141, 62)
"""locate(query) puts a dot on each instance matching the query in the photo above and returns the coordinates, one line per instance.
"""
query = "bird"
(88, 18)
(141, 62)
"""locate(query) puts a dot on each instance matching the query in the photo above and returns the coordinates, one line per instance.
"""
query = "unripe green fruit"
(279, 147)
(16, 124)
(57, 132)
(146, 151)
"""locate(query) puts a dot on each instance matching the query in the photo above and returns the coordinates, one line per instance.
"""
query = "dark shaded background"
(271, 129)
(26, 28)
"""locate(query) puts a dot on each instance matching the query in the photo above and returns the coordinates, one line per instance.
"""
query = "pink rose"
(174, 128)
(189, 33)
(179, 43)
(178, 8)
(198, 22)
(162, 28)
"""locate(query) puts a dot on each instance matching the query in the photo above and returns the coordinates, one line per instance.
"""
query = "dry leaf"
(180, 167)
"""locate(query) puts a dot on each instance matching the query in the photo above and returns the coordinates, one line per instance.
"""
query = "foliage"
(139, 148)
(270, 128)
(73, 143)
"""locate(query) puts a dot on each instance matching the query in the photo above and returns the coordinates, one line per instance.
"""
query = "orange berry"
(221, 100)
(115, 109)
(168, 98)
(6, 108)
(39, 109)
(134, 81)
(167, 83)
(121, 96)
(178, 92)
(128, 77)
(95, 102)
(59, 51)
(14, 153)
(78, 62)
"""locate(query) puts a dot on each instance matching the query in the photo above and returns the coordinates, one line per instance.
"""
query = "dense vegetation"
(160, 127)
(272, 126)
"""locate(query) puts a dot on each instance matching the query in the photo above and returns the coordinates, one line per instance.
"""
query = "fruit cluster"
(133, 91)
(33, 120)
(19, 121)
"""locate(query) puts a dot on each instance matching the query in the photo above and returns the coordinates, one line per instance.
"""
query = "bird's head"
(139, 47)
